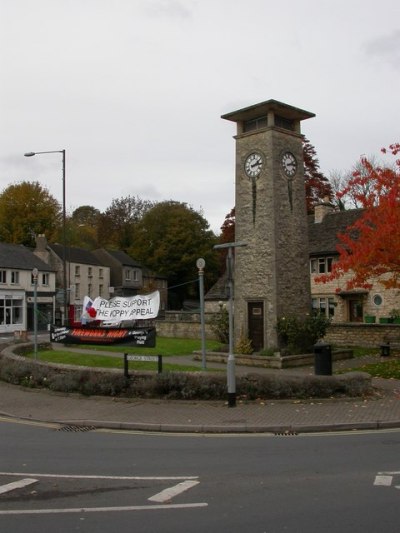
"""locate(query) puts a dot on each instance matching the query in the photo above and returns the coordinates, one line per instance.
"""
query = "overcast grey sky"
(134, 90)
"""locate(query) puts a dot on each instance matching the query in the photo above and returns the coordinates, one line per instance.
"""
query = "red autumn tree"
(228, 228)
(317, 185)
(227, 235)
(370, 248)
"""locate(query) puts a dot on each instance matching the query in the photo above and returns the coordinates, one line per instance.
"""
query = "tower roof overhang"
(263, 108)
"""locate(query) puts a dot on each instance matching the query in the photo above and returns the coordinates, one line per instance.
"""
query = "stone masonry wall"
(187, 325)
(362, 334)
(271, 219)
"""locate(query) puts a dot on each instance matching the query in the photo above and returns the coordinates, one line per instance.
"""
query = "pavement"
(286, 417)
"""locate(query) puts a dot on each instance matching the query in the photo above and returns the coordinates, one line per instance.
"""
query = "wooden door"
(256, 324)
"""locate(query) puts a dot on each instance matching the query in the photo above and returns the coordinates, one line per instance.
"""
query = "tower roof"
(262, 109)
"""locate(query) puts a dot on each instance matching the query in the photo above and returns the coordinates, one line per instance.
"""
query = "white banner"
(119, 308)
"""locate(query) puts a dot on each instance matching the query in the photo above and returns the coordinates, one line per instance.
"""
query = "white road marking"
(66, 476)
(167, 494)
(17, 485)
(383, 480)
(104, 509)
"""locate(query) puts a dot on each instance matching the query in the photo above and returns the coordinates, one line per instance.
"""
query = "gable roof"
(19, 257)
(323, 236)
(123, 258)
(75, 255)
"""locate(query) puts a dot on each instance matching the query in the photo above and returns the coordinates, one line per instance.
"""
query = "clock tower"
(272, 276)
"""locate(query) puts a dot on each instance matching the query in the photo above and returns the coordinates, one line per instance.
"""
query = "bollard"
(322, 359)
(385, 350)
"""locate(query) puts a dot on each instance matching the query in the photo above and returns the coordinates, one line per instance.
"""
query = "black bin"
(322, 359)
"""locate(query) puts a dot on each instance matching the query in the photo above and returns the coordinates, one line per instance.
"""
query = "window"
(89, 290)
(77, 270)
(377, 299)
(284, 123)
(3, 276)
(11, 311)
(324, 306)
(90, 272)
(135, 275)
(100, 273)
(45, 278)
(78, 313)
(255, 124)
(101, 290)
(322, 265)
(128, 274)
(77, 291)
(15, 277)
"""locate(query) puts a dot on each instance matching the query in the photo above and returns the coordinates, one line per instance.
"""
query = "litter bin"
(322, 359)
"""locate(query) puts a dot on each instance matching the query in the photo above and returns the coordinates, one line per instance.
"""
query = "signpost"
(152, 358)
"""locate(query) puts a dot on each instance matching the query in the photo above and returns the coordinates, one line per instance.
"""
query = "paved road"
(96, 481)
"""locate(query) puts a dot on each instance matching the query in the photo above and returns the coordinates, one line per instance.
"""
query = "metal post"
(200, 263)
(126, 370)
(231, 378)
(231, 357)
(66, 320)
(64, 230)
(35, 273)
(159, 364)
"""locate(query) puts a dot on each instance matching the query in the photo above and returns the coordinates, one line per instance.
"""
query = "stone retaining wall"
(187, 325)
(361, 334)
(184, 324)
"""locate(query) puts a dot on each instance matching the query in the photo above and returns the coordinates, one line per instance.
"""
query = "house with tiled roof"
(332, 298)
(125, 273)
(24, 277)
(86, 275)
(128, 277)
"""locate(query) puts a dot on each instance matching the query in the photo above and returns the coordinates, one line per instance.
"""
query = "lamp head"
(29, 154)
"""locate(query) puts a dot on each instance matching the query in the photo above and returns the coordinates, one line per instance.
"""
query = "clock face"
(253, 164)
(289, 164)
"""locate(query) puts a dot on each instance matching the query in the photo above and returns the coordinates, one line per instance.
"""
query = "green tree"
(116, 225)
(82, 227)
(28, 209)
(169, 239)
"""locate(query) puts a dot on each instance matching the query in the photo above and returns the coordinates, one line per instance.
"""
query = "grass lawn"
(388, 369)
(167, 347)
(381, 369)
(105, 361)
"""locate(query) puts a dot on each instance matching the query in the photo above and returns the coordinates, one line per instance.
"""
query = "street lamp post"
(230, 367)
(200, 263)
(64, 258)
(35, 273)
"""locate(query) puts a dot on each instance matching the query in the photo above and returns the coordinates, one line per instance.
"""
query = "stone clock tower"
(271, 277)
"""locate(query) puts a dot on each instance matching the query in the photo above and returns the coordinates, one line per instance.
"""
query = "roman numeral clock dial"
(289, 164)
(253, 165)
